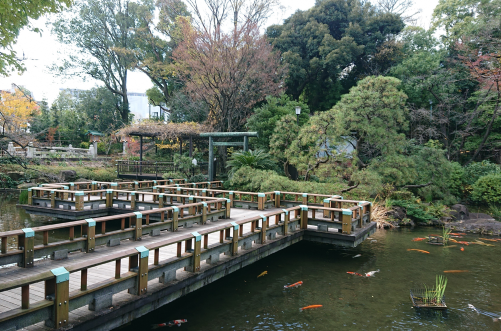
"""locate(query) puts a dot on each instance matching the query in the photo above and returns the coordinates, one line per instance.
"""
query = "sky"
(41, 51)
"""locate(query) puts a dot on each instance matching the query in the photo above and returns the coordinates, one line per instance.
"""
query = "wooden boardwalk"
(172, 248)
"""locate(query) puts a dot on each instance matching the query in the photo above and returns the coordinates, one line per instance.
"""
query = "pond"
(242, 301)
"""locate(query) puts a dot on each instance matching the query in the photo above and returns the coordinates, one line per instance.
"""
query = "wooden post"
(211, 159)
(27, 245)
(304, 217)
(114, 186)
(142, 272)
(138, 233)
(193, 209)
(52, 199)
(228, 208)
(133, 200)
(25, 297)
(91, 235)
(175, 217)
(326, 205)
(83, 280)
(346, 216)
(277, 199)
(234, 244)
(305, 198)
(79, 200)
(286, 221)
(263, 228)
(59, 289)
(109, 198)
(196, 252)
(204, 212)
(161, 201)
(118, 267)
(261, 201)
(231, 197)
(30, 197)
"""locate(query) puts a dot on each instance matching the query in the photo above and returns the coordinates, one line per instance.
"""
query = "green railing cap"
(204, 204)
(133, 193)
(362, 202)
(90, 222)
(263, 217)
(72, 184)
(231, 192)
(136, 182)
(109, 191)
(154, 187)
(161, 195)
(235, 225)
(143, 251)
(347, 212)
(197, 236)
(154, 182)
(114, 184)
(285, 211)
(29, 190)
(327, 200)
(175, 209)
(28, 233)
(51, 191)
(228, 200)
(79, 193)
(337, 197)
(66, 188)
(303, 207)
(261, 195)
(62, 275)
(138, 214)
(276, 192)
(94, 183)
(190, 197)
(305, 195)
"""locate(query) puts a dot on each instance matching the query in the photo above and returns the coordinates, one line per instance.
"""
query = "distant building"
(138, 105)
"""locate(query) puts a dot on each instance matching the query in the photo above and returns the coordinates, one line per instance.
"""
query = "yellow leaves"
(16, 109)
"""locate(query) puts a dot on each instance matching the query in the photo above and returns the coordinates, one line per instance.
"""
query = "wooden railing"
(154, 167)
(59, 301)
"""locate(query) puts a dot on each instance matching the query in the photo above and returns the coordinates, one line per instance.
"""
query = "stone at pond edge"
(397, 213)
(15, 175)
(68, 175)
(459, 212)
(25, 186)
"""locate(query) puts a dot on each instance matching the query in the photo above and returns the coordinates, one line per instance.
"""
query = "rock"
(68, 175)
(397, 213)
(15, 175)
(25, 186)
(459, 212)
(79, 180)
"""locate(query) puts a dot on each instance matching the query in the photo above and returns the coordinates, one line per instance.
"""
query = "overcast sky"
(42, 51)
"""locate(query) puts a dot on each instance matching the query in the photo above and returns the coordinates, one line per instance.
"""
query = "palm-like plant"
(257, 159)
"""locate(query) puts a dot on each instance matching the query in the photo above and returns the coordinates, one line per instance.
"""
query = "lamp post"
(298, 112)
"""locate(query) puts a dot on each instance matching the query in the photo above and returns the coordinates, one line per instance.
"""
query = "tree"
(99, 108)
(265, 118)
(16, 109)
(97, 29)
(374, 115)
(331, 45)
(15, 16)
(230, 72)
(403, 8)
(284, 134)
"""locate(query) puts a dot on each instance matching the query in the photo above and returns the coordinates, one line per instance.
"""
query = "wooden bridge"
(168, 239)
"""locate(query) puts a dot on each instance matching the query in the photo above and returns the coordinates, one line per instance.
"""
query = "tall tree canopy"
(15, 15)
(329, 46)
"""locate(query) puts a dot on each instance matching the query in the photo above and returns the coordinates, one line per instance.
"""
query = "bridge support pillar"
(90, 231)
(346, 216)
(195, 264)
(263, 228)
(139, 263)
(277, 199)
(137, 221)
(286, 221)
(109, 198)
(234, 244)
(261, 197)
(204, 213)
(27, 245)
(304, 217)
(79, 200)
(175, 218)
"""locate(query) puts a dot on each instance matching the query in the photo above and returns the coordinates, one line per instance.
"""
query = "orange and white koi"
(354, 273)
(419, 239)
(310, 307)
(171, 323)
(418, 250)
(371, 273)
(295, 285)
(463, 243)
(454, 271)
(462, 249)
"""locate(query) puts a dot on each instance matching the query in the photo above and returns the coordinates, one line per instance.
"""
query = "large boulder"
(459, 212)
(397, 213)
(68, 175)
(15, 175)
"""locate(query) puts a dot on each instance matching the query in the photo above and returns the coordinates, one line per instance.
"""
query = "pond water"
(242, 301)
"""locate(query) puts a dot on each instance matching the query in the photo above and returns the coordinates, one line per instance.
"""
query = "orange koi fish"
(418, 250)
(310, 307)
(354, 273)
(419, 239)
(295, 285)
(489, 239)
(454, 271)
(171, 323)
(457, 234)
(462, 249)
(463, 243)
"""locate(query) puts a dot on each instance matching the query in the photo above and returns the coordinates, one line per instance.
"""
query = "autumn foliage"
(230, 72)
(15, 110)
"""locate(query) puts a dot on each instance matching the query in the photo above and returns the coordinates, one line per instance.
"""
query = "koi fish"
(458, 233)
(478, 242)
(171, 323)
(457, 236)
(454, 271)
(358, 255)
(462, 249)
(496, 240)
(310, 307)
(418, 239)
(295, 285)
(450, 246)
(371, 273)
(463, 243)
(354, 273)
(495, 316)
(418, 250)
(262, 274)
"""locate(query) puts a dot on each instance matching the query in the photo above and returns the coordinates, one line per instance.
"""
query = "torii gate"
(213, 143)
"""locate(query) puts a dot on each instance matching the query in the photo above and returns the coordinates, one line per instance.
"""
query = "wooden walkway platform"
(155, 252)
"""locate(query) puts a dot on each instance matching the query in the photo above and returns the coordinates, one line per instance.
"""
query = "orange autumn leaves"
(16, 109)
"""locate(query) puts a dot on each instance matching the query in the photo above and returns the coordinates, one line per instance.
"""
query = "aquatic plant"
(446, 234)
(434, 296)
(23, 197)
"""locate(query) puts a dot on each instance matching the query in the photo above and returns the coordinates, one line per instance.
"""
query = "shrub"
(101, 148)
(415, 210)
(457, 180)
(84, 144)
(257, 159)
(475, 170)
(487, 189)
(198, 178)
(173, 175)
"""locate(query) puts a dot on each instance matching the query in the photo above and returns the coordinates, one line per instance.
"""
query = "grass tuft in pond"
(23, 197)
